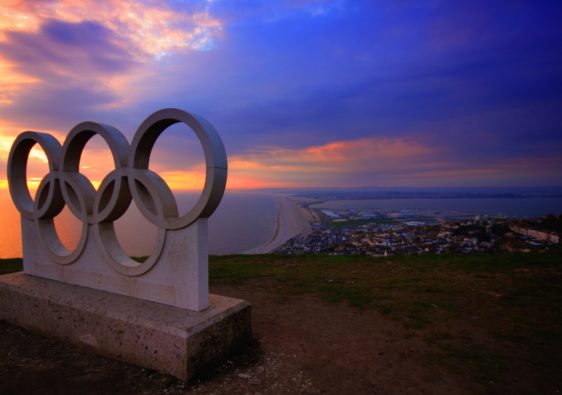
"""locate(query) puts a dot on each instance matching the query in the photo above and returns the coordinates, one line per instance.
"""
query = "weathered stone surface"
(164, 338)
(176, 271)
(179, 279)
(157, 313)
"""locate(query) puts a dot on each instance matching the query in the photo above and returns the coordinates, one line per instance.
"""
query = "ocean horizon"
(246, 220)
(242, 222)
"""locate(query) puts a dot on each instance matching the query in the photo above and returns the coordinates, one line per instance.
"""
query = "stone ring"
(130, 180)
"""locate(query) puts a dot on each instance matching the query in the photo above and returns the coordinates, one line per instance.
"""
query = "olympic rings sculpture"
(130, 180)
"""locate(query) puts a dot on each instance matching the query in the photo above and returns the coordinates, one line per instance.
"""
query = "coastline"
(292, 220)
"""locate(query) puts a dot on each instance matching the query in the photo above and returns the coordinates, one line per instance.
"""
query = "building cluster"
(388, 236)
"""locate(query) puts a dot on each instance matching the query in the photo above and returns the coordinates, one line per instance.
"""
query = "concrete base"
(164, 338)
(177, 271)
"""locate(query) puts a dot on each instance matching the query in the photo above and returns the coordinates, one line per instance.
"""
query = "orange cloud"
(334, 157)
(184, 180)
(382, 161)
(153, 28)
(143, 32)
(361, 162)
(12, 81)
(333, 163)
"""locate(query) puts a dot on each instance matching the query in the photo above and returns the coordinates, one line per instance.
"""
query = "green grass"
(414, 289)
(409, 287)
(470, 309)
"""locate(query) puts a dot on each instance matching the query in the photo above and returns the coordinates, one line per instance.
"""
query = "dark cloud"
(485, 83)
(59, 105)
(67, 50)
(72, 62)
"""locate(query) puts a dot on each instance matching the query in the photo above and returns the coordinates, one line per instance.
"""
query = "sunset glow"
(305, 94)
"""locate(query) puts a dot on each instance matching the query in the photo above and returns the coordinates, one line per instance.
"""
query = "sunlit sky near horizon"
(305, 93)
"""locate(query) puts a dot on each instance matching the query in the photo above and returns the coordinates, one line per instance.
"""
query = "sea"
(512, 207)
(243, 221)
(246, 220)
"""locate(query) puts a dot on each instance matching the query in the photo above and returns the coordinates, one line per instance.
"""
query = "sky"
(305, 93)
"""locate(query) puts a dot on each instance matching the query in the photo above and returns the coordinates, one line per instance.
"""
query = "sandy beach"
(292, 220)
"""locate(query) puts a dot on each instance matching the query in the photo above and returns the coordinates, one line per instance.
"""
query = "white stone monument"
(157, 313)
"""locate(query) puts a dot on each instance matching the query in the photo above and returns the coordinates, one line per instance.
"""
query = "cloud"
(359, 162)
(75, 51)
(303, 92)
(150, 27)
(374, 161)
(12, 81)
(52, 50)
(389, 162)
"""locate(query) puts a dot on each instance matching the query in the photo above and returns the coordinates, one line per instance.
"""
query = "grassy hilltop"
(492, 319)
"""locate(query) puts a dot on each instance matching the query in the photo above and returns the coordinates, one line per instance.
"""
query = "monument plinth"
(97, 295)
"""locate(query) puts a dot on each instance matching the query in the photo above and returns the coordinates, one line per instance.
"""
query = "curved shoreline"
(291, 221)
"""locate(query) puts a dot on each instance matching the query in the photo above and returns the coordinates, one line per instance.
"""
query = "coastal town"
(371, 232)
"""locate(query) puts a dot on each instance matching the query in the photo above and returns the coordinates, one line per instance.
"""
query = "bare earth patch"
(347, 325)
